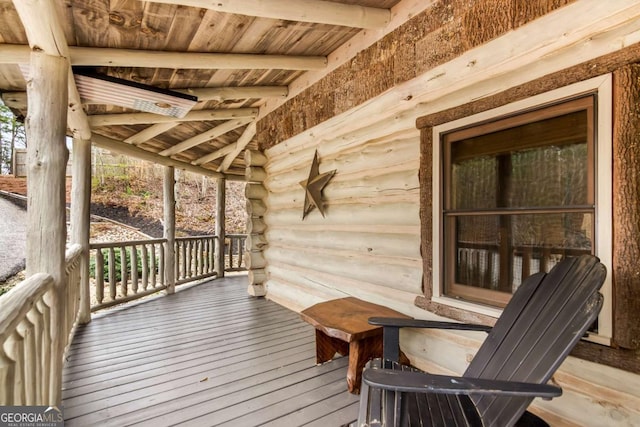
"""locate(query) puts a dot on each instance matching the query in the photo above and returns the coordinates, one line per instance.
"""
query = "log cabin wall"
(368, 245)
(375, 241)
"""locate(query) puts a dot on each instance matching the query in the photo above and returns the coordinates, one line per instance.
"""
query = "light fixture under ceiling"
(103, 89)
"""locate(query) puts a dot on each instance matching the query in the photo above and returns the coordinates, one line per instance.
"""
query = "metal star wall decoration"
(313, 187)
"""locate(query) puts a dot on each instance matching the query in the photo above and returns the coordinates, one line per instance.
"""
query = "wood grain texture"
(218, 354)
(346, 318)
(342, 327)
(626, 211)
(47, 157)
(80, 217)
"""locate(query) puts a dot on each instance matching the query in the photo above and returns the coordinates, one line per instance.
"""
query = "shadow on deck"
(208, 355)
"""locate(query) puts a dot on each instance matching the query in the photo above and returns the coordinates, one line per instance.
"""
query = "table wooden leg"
(360, 352)
(327, 347)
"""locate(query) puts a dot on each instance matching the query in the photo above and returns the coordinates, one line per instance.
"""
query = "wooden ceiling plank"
(316, 11)
(192, 116)
(244, 92)
(240, 145)
(133, 151)
(204, 137)
(150, 132)
(45, 33)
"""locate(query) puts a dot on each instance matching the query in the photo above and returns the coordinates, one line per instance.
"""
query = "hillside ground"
(135, 199)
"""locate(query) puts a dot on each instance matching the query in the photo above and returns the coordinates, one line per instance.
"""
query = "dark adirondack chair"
(544, 320)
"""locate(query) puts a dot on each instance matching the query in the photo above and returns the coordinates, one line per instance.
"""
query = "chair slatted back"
(544, 320)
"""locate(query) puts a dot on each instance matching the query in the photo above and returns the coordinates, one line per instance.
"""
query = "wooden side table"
(342, 327)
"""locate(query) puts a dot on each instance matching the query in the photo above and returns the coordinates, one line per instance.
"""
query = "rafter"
(317, 11)
(130, 150)
(150, 132)
(206, 136)
(193, 116)
(239, 145)
(215, 155)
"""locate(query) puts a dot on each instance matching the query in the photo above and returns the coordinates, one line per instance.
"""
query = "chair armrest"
(420, 382)
(416, 323)
(391, 331)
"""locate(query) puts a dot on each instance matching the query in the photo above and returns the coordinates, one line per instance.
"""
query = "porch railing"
(234, 259)
(195, 258)
(28, 354)
(117, 281)
(124, 271)
(73, 257)
(30, 359)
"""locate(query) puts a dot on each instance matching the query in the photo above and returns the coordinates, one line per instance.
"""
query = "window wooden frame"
(600, 86)
(584, 103)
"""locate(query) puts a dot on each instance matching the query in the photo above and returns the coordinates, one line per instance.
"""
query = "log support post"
(170, 229)
(220, 228)
(256, 194)
(81, 218)
(47, 156)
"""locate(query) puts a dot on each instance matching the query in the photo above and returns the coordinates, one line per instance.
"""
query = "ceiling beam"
(150, 132)
(215, 155)
(111, 57)
(316, 11)
(132, 151)
(204, 137)
(45, 33)
(239, 145)
(193, 116)
(16, 100)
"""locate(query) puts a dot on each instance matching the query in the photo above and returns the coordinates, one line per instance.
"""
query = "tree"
(12, 136)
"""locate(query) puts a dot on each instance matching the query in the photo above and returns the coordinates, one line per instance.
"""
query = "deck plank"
(208, 355)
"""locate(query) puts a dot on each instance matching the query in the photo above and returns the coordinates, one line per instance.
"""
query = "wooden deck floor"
(208, 355)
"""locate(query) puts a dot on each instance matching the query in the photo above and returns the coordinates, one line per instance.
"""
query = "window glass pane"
(474, 183)
(498, 252)
(541, 164)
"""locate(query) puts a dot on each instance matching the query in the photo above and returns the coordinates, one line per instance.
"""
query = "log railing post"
(47, 155)
(80, 217)
(220, 229)
(169, 229)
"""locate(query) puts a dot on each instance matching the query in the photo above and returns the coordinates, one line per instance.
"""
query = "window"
(520, 190)
(518, 197)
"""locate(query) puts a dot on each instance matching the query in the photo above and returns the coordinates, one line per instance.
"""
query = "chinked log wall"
(368, 243)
